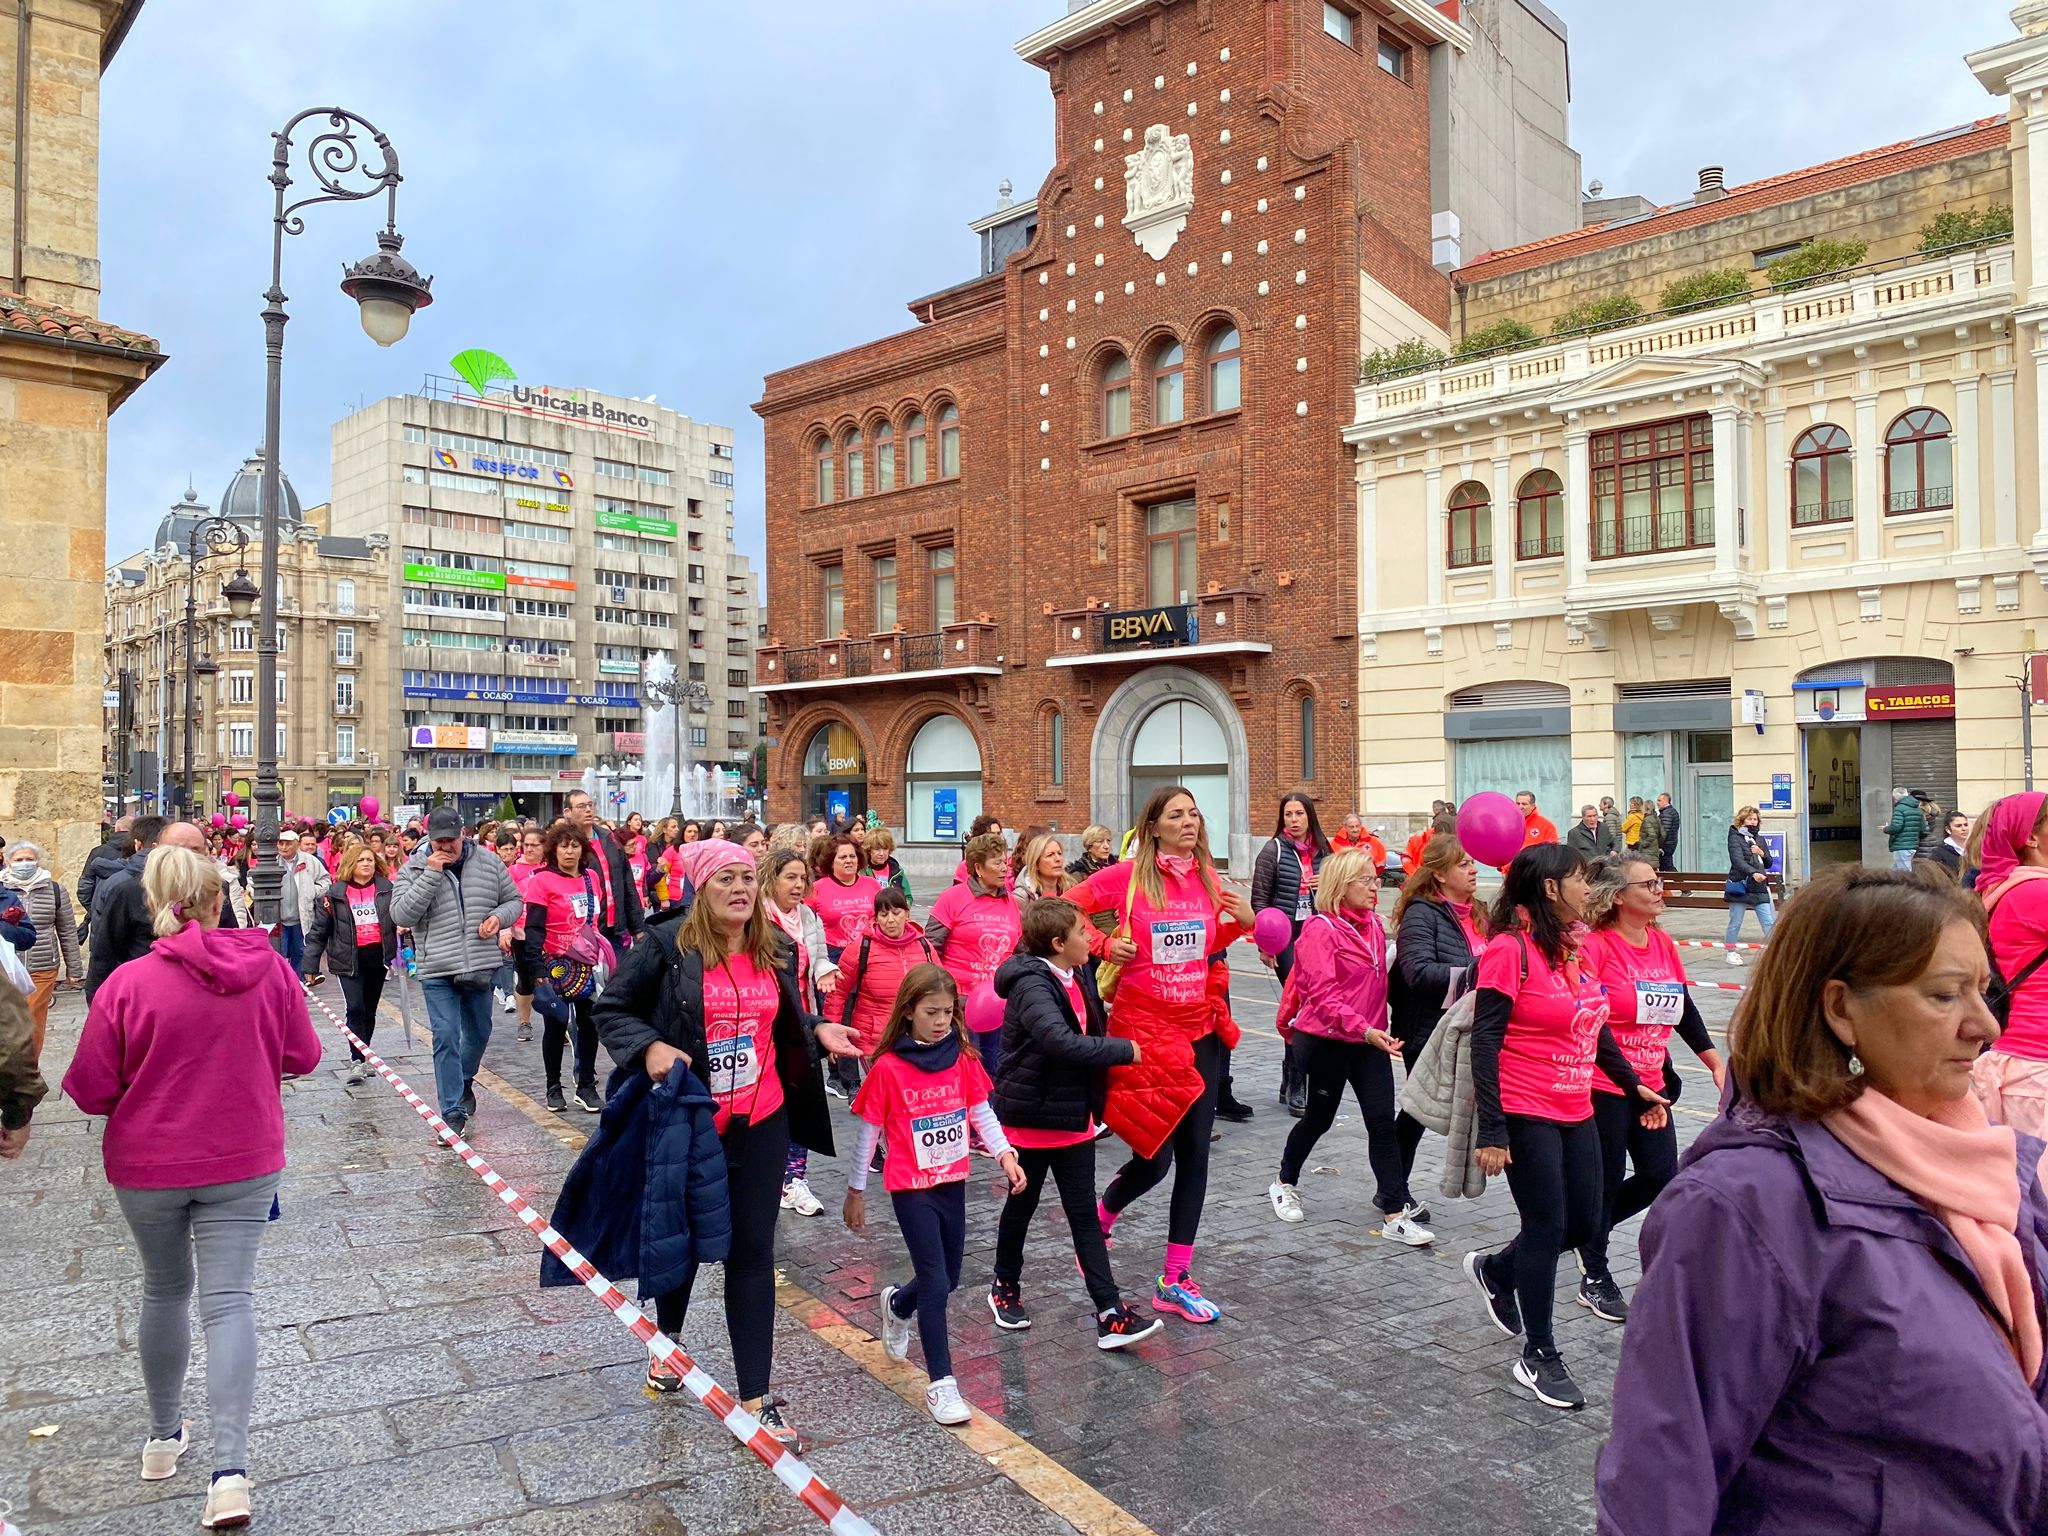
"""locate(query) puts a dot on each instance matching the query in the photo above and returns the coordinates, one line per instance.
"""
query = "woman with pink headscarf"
(2011, 1078)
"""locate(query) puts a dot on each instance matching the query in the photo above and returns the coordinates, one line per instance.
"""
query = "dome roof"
(243, 499)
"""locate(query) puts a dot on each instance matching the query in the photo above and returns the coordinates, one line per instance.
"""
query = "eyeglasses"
(1654, 887)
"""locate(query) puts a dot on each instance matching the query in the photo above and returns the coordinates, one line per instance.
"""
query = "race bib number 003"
(941, 1140)
(1177, 941)
(734, 1065)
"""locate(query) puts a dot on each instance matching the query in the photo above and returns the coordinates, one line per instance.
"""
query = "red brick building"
(1089, 526)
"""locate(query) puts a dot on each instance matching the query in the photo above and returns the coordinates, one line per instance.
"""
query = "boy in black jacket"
(1050, 1087)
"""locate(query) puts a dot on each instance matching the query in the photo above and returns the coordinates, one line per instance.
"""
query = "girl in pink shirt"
(924, 1084)
(2011, 1079)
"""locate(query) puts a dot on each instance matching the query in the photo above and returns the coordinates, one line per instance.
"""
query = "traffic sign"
(338, 815)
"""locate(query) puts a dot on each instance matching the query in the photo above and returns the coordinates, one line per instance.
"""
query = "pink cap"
(701, 860)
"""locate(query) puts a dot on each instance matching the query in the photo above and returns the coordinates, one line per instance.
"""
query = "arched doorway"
(942, 781)
(1174, 725)
(835, 773)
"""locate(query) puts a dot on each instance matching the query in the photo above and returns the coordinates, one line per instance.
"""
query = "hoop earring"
(1855, 1065)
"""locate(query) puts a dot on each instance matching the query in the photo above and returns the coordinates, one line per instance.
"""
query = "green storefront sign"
(624, 522)
(448, 576)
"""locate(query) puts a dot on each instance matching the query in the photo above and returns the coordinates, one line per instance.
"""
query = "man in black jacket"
(99, 864)
(123, 929)
(622, 913)
(1667, 818)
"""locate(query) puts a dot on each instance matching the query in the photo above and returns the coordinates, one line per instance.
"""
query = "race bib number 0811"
(1177, 941)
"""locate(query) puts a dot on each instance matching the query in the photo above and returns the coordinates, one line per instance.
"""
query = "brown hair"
(1046, 922)
(880, 840)
(1864, 927)
(565, 831)
(1609, 878)
(825, 853)
(1145, 848)
(758, 940)
(1441, 854)
(982, 847)
(919, 983)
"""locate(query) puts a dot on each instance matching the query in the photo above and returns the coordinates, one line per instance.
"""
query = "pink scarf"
(1178, 865)
(1962, 1168)
(2009, 825)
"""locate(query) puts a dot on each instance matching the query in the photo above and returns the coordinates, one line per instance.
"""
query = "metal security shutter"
(1924, 756)
(1702, 688)
(1906, 671)
(1512, 696)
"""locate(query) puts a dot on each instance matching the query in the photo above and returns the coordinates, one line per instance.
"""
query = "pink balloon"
(984, 1008)
(239, 822)
(1491, 828)
(368, 807)
(231, 799)
(219, 820)
(1271, 931)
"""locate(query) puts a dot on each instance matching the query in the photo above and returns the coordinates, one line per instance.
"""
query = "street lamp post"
(216, 533)
(388, 290)
(676, 692)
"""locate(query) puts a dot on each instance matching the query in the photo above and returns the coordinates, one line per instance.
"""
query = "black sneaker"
(1418, 1212)
(1603, 1298)
(456, 1125)
(555, 1101)
(1501, 1305)
(772, 1421)
(468, 1109)
(1236, 1113)
(587, 1099)
(1546, 1376)
(1122, 1328)
(1005, 1301)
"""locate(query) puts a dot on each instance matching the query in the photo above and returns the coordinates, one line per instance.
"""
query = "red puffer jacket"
(1148, 1100)
(867, 991)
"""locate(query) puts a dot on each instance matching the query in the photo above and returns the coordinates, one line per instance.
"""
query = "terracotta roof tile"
(1869, 165)
(54, 320)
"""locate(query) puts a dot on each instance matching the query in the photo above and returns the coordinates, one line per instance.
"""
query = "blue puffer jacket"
(647, 1197)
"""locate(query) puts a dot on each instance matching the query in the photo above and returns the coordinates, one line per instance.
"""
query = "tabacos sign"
(1173, 624)
(1925, 701)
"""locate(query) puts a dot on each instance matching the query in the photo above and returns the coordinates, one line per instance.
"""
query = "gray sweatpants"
(223, 1225)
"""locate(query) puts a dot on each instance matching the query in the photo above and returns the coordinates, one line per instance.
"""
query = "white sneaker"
(503, 999)
(797, 1196)
(227, 1503)
(943, 1398)
(160, 1457)
(357, 1072)
(1404, 1228)
(1286, 1201)
(895, 1330)
(1735, 957)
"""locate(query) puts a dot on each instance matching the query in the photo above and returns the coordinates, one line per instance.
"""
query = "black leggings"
(1407, 1129)
(555, 1034)
(934, 1227)
(753, 1173)
(1190, 1140)
(1331, 1066)
(1625, 1139)
(1073, 1172)
(1554, 1175)
(362, 993)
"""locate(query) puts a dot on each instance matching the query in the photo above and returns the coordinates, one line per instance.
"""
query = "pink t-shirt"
(847, 911)
(1029, 1136)
(1546, 1061)
(740, 1004)
(362, 906)
(2019, 932)
(522, 874)
(568, 899)
(923, 1116)
(981, 932)
(1645, 999)
(1174, 938)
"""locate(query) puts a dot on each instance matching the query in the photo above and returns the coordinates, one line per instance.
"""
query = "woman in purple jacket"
(1839, 1324)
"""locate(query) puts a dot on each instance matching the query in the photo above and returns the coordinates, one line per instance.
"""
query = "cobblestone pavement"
(414, 1379)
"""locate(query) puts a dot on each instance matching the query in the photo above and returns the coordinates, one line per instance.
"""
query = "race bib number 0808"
(940, 1140)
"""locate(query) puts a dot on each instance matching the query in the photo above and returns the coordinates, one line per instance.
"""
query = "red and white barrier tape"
(1712, 944)
(1721, 986)
(789, 1469)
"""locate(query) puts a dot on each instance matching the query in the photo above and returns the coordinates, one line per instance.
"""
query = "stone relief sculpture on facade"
(1159, 190)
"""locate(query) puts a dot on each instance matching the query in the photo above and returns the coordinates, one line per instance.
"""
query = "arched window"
(1169, 383)
(1820, 477)
(942, 781)
(856, 464)
(1052, 728)
(914, 437)
(1919, 463)
(1116, 396)
(826, 466)
(1223, 382)
(885, 457)
(1308, 735)
(949, 440)
(1471, 538)
(1539, 515)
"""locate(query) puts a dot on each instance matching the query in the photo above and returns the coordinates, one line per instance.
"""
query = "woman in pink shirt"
(974, 927)
(183, 1052)
(561, 900)
(843, 895)
(1541, 1020)
(522, 870)
(2011, 1078)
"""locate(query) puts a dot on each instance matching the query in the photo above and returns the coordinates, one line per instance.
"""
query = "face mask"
(23, 868)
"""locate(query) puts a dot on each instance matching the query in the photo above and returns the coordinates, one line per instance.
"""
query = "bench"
(1689, 891)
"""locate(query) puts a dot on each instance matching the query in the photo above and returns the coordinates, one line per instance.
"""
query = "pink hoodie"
(1340, 975)
(190, 1086)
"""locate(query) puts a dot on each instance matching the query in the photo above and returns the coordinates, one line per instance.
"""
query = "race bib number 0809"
(734, 1066)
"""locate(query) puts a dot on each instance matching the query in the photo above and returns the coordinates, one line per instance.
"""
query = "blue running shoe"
(1184, 1298)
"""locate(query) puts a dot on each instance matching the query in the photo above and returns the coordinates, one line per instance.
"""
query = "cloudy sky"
(676, 196)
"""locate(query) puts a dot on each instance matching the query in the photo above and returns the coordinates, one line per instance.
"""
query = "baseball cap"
(444, 821)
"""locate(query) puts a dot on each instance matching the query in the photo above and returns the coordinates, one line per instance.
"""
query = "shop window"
(1170, 553)
(1223, 357)
(1471, 526)
(1653, 488)
(1919, 463)
(1539, 516)
(1821, 485)
(1116, 396)
(1169, 382)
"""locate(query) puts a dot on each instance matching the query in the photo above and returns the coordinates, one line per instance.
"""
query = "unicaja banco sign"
(480, 369)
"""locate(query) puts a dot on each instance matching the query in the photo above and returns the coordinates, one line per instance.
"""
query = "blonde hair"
(879, 840)
(1336, 875)
(1097, 833)
(757, 940)
(352, 850)
(1027, 866)
(178, 884)
(1608, 878)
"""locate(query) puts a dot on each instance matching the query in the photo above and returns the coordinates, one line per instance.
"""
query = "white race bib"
(734, 1065)
(1177, 941)
(364, 911)
(941, 1139)
(580, 905)
(1660, 1004)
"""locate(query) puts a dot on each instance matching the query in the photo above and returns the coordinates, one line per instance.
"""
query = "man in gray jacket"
(455, 896)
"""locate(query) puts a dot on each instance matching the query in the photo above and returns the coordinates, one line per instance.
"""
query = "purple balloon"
(1491, 828)
(984, 1009)
(1271, 931)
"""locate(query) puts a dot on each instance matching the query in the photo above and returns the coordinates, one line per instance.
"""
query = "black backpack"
(1998, 996)
(853, 993)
